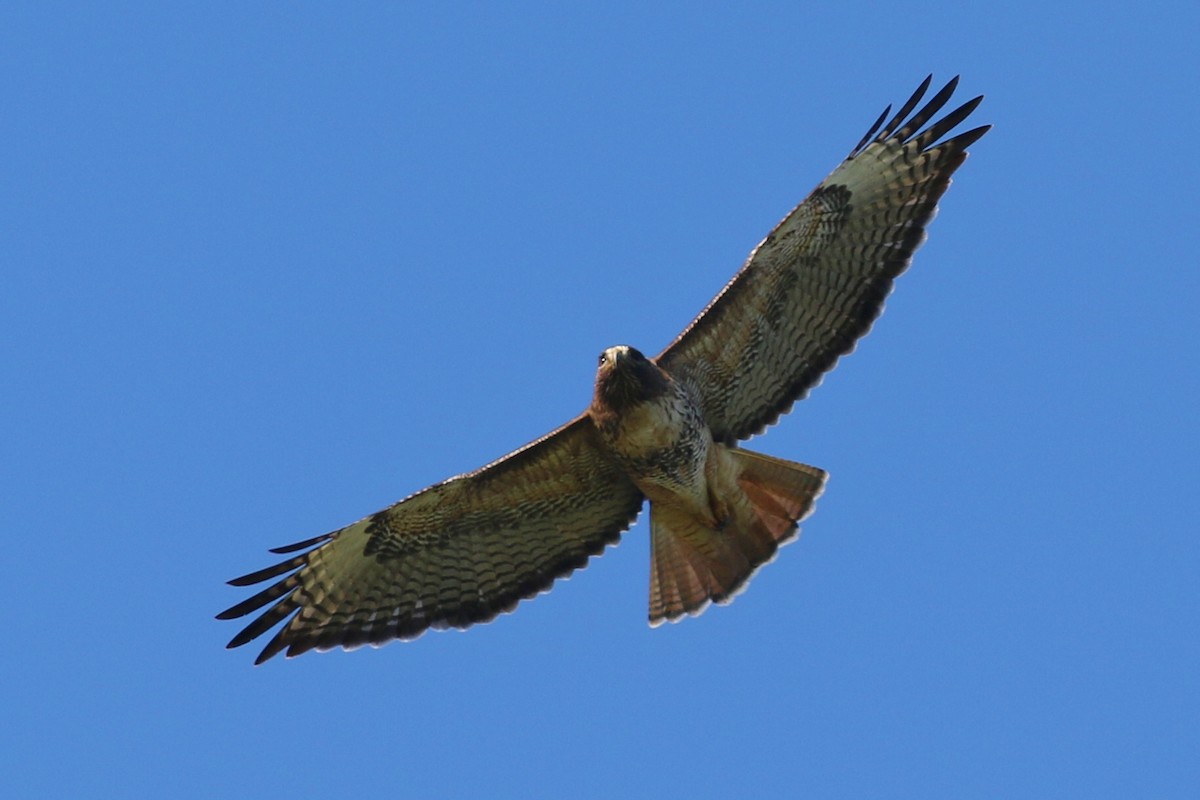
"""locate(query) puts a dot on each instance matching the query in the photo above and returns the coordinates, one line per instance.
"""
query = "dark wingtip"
(928, 111)
(244, 636)
(261, 625)
(905, 109)
(968, 138)
(245, 580)
(870, 134)
(880, 131)
(274, 647)
(272, 571)
(291, 548)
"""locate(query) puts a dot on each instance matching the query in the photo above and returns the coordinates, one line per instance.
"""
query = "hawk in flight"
(664, 429)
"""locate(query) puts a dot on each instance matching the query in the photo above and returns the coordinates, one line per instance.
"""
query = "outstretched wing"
(813, 287)
(457, 553)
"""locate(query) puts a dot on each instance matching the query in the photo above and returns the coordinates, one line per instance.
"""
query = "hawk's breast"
(663, 445)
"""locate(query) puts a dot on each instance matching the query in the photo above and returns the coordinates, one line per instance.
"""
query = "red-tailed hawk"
(663, 429)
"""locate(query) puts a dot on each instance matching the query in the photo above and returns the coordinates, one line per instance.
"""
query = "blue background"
(268, 270)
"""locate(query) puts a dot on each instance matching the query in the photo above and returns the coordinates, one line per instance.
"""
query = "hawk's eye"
(603, 359)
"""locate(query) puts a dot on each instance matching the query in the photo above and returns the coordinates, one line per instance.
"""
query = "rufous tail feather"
(693, 563)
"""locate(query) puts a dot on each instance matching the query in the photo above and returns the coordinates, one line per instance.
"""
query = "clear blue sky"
(266, 271)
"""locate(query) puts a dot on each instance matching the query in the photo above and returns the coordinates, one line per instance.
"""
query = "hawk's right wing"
(457, 553)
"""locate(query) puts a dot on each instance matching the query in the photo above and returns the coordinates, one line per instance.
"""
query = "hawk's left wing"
(818, 281)
(457, 553)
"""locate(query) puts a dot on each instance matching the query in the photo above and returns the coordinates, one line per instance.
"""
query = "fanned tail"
(693, 563)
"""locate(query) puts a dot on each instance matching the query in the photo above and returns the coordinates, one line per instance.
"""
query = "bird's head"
(625, 377)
